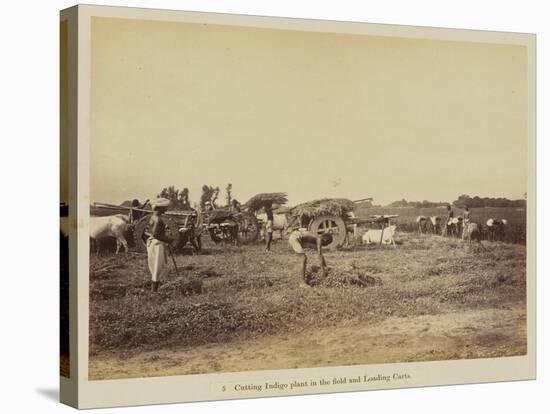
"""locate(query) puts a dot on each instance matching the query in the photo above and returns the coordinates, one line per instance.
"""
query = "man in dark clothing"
(268, 228)
(448, 221)
(300, 239)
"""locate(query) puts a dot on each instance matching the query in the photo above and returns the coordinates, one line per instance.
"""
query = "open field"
(516, 217)
(238, 308)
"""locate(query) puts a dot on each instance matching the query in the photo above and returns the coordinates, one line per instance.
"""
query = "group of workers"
(450, 217)
(158, 244)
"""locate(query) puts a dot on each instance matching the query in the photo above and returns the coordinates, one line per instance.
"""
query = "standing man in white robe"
(157, 243)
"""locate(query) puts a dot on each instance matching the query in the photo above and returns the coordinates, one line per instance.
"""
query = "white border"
(204, 387)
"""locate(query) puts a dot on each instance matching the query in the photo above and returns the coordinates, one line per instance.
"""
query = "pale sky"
(311, 114)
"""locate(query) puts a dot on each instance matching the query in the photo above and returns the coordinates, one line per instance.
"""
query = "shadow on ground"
(51, 394)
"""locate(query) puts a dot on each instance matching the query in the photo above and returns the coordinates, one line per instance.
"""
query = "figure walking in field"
(466, 215)
(448, 221)
(157, 243)
(268, 227)
(465, 220)
(301, 239)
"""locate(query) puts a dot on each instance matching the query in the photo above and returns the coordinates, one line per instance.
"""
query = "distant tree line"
(418, 204)
(465, 200)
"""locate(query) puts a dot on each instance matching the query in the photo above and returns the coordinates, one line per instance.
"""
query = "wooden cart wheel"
(330, 224)
(140, 238)
(216, 231)
(249, 228)
(214, 227)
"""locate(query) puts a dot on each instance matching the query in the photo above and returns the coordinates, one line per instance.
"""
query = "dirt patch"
(424, 338)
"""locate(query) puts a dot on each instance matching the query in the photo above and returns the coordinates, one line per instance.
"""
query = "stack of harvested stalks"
(265, 200)
(333, 206)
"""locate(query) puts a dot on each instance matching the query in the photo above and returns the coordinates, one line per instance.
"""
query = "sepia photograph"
(269, 199)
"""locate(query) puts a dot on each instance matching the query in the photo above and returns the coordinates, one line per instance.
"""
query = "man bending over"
(301, 239)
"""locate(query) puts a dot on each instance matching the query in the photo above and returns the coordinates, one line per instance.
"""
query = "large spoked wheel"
(140, 237)
(332, 225)
(222, 230)
(249, 228)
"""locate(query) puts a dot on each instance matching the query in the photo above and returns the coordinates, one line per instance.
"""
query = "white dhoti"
(157, 258)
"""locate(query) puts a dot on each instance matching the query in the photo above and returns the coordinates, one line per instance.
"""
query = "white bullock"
(109, 226)
(375, 235)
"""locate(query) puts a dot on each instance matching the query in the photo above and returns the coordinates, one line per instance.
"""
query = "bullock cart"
(227, 225)
(324, 216)
(186, 226)
(334, 216)
(180, 225)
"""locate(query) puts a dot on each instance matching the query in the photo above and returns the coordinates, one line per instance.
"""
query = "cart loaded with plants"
(186, 226)
(334, 216)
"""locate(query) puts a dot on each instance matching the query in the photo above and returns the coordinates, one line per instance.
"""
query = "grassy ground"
(239, 308)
